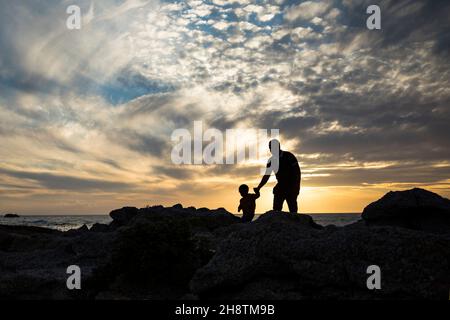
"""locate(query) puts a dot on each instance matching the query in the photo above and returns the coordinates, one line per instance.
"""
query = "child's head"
(243, 189)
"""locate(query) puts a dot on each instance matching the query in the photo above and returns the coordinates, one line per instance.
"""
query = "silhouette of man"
(288, 174)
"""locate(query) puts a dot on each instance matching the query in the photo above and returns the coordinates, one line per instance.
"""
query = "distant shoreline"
(70, 222)
(106, 214)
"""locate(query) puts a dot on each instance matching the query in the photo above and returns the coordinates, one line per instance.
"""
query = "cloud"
(95, 108)
(62, 182)
(307, 10)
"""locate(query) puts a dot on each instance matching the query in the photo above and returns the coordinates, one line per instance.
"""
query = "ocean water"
(338, 219)
(64, 223)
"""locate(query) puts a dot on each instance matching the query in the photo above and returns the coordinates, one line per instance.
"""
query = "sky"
(86, 116)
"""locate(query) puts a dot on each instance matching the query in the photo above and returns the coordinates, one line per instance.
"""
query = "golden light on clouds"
(86, 116)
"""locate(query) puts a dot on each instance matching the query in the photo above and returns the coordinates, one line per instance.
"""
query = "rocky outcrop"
(416, 209)
(11, 215)
(148, 253)
(165, 247)
(281, 256)
(33, 261)
(188, 253)
(123, 216)
(199, 219)
(100, 227)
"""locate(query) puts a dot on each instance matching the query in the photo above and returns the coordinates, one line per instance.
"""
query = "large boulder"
(202, 218)
(149, 260)
(284, 256)
(416, 209)
(11, 215)
(100, 227)
(157, 250)
(122, 216)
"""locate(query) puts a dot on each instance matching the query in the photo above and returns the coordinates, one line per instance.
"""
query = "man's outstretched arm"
(264, 180)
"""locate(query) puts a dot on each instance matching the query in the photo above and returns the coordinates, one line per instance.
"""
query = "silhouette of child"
(247, 203)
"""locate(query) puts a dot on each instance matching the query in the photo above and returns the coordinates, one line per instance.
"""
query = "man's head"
(243, 189)
(274, 146)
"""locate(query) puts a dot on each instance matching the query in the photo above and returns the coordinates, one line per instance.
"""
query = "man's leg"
(278, 200)
(247, 217)
(292, 203)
